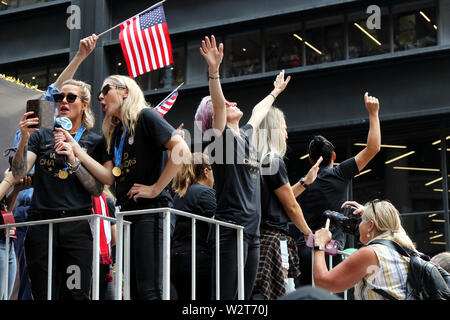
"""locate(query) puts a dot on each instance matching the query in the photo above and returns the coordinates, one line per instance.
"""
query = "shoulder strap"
(393, 245)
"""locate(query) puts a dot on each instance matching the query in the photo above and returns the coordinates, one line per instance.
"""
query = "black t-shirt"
(237, 179)
(273, 214)
(143, 158)
(50, 192)
(327, 192)
(200, 200)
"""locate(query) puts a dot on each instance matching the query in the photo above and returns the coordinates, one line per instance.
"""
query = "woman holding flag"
(137, 138)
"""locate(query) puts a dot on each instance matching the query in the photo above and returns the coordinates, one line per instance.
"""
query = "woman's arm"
(24, 160)
(309, 178)
(292, 208)
(20, 185)
(103, 173)
(262, 108)
(213, 57)
(179, 154)
(347, 273)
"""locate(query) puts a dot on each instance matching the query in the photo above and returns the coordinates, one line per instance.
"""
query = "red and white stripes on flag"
(145, 42)
(165, 105)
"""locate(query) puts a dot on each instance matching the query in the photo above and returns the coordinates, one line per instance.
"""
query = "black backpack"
(425, 281)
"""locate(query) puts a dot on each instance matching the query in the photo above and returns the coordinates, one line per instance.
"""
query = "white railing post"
(7, 245)
(50, 261)
(126, 259)
(119, 256)
(193, 259)
(96, 258)
(312, 268)
(217, 262)
(166, 256)
(240, 263)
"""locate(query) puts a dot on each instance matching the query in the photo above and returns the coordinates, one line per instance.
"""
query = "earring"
(368, 235)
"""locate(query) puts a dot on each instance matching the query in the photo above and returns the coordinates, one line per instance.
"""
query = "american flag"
(166, 104)
(145, 42)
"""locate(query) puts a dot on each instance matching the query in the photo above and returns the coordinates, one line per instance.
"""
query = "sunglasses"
(70, 97)
(106, 89)
(373, 205)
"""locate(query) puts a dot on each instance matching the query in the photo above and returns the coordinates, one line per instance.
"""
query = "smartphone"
(44, 110)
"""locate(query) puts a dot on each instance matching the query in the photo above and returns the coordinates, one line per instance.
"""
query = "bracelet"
(214, 78)
(75, 167)
(302, 182)
(274, 98)
(6, 180)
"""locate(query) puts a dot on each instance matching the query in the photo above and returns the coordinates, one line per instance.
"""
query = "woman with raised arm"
(236, 172)
(278, 208)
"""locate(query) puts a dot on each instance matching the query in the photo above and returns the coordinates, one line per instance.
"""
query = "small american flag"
(166, 104)
(145, 42)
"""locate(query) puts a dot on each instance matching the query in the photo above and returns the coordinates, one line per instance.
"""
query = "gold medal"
(116, 171)
(63, 174)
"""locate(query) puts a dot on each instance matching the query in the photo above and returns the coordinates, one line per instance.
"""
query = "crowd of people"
(143, 162)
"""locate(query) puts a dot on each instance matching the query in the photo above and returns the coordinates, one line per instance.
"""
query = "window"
(41, 73)
(364, 41)
(9, 4)
(415, 27)
(282, 49)
(242, 54)
(324, 40)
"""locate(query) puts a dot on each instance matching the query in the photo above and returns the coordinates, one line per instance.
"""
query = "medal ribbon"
(118, 151)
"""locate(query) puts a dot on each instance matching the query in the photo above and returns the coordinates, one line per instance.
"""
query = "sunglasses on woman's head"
(106, 89)
(70, 97)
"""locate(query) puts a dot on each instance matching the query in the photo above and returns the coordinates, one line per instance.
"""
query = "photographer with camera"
(329, 190)
(374, 266)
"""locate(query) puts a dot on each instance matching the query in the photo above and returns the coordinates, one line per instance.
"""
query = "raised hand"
(65, 149)
(312, 173)
(372, 103)
(87, 45)
(280, 83)
(212, 54)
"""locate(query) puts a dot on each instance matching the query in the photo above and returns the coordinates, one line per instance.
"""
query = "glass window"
(242, 54)
(41, 73)
(364, 41)
(283, 49)
(8, 4)
(324, 40)
(415, 27)
(405, 171)
(426, 231)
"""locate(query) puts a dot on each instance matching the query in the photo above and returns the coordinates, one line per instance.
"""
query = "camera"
(345, 221)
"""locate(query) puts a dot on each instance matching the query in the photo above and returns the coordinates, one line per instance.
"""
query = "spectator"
(374, 266)
(7, 204)
(237, 180)
(329, 190)
(442, 260)
(194, 194)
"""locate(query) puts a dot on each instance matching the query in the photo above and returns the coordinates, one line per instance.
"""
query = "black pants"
(181, 275)
(228, 264)
(72, 257)
(146, 247)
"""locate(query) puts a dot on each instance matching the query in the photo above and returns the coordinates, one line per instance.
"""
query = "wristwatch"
(320, 248)
(302, 182)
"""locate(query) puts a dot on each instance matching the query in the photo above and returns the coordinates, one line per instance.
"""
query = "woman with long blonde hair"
(373, 268)
(194, 193)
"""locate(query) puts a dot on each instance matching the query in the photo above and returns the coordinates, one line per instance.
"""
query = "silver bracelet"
(75, 167)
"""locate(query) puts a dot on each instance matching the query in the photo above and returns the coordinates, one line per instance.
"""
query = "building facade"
(335, 51)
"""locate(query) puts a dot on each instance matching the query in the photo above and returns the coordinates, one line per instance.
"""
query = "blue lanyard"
(118, 151)
(77, 137)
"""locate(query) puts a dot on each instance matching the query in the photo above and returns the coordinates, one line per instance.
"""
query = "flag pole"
(117, 25)
(169, 95)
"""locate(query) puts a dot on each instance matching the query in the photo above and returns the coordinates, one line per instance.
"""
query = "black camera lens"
(346, 221)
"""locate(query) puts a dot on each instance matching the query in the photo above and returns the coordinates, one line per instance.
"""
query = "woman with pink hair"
(237, 176)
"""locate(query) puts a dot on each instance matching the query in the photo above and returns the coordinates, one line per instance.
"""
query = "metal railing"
(51, 222)
(330, 266)
(123, 252)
